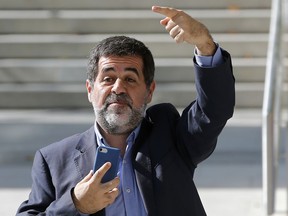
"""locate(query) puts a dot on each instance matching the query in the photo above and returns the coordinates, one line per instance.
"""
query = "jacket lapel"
(86, 150)
(85, 156)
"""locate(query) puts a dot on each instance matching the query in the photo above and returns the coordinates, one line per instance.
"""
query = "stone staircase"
(45, 44)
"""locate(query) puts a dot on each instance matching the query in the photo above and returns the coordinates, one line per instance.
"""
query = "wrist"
(77, 203)
(206, 49)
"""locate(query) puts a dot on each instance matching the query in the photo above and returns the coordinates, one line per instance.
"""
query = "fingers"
(177, 34)
(101, 172)
(90, 195)
(97, 177)
(174, 30)
(109, 186)
(165, 21)
(184, 28)
(166, 11)
(110, 196)
(109, 191)
(170, 25)
(173, 22)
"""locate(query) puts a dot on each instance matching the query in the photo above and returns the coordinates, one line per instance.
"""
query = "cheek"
(140, 101)
(98, 97)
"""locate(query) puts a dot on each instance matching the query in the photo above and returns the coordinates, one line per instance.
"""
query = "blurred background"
(44, 45)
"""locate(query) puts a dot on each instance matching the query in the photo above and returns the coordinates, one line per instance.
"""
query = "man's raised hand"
(183, 27)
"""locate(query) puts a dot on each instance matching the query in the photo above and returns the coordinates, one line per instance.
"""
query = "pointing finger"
(166, 11)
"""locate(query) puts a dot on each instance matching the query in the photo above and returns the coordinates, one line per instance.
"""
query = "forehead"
(120, 61)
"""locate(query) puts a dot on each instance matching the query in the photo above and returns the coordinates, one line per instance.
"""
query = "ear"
(151, 91)
(89, 89)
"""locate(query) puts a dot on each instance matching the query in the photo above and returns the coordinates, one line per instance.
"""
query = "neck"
(116, 140)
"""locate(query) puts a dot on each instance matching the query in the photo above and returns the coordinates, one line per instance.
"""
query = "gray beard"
(120, 121)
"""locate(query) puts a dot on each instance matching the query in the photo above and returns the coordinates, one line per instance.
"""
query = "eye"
(108, 79)
(130, 80)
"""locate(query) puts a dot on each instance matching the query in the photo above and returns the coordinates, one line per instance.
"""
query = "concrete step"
(52, 95)
(74, 70)
(128, 4)
(161, 45)
(126, 21)
(43, 70)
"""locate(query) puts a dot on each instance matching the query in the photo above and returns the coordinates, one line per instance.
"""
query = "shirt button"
(128, 190)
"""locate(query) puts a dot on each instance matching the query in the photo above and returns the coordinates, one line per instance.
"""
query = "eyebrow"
(128, 69)
(134, 70)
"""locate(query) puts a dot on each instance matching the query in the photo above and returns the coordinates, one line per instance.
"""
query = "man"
(159, 148)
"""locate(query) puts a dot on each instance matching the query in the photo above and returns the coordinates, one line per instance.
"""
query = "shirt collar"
(101, 141)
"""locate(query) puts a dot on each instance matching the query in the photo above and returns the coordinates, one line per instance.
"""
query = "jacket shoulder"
(162, 110)
(74, 141)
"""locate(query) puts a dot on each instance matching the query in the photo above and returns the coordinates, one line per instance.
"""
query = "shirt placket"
(127, 180)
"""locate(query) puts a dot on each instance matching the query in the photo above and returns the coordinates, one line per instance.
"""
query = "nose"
(118, 87)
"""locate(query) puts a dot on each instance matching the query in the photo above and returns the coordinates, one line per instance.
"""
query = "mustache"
(118, 98)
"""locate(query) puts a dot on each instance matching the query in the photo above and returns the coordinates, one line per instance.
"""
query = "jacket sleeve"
(202, 121)
(42, 200)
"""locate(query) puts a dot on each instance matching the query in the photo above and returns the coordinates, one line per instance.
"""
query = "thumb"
(98, 175)
(87, 177)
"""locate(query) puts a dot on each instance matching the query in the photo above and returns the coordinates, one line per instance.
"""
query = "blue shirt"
(129, 201)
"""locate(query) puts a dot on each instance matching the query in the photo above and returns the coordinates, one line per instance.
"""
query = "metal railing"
(271, 113)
